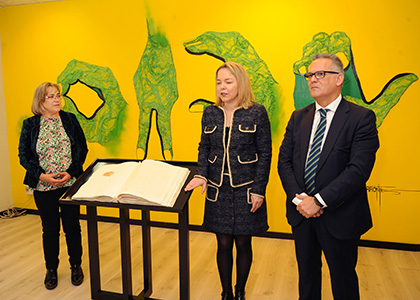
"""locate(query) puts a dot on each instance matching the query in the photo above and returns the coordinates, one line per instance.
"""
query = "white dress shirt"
(332, 107)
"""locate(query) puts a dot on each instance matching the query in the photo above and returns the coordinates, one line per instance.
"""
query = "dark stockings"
(225, 259)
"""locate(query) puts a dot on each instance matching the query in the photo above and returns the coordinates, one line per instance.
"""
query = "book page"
(156, 182)
(105, 182)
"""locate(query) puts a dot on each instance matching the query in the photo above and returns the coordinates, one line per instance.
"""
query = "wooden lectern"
(180, 207)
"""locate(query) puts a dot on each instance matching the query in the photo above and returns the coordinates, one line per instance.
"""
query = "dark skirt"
(227, 211)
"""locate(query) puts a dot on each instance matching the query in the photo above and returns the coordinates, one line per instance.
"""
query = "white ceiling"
(4, 3)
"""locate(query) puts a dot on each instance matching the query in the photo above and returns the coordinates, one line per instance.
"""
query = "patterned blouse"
(54, 151)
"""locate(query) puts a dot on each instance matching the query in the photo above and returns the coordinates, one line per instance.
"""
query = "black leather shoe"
(76, 275)
(227, 295)
(239, 295)
(51, 279)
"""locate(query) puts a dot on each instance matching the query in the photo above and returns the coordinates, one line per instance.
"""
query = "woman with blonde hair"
(233, 165)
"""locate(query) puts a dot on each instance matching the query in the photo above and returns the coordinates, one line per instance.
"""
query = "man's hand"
(308, 207)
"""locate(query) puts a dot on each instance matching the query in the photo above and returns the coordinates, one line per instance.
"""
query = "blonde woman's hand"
(196, 182)
(257, 201)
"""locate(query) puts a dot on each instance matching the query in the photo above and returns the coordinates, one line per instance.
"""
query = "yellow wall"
(37, 42)
(6, 200)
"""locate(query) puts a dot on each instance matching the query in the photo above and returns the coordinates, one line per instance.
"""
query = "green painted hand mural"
(232, 46)
(105, 125)
(339, 42)
(156, 88)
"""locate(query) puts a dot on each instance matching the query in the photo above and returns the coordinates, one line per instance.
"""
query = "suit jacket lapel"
(306, 127)
(340, 118)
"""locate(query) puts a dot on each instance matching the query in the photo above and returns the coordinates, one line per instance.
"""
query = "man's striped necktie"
(314, 153)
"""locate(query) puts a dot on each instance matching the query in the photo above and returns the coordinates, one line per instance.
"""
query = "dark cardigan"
(27, 147)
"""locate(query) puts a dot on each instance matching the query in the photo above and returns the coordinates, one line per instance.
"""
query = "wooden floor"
(383, 274)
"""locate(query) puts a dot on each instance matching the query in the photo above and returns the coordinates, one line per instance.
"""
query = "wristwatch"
(317, 202)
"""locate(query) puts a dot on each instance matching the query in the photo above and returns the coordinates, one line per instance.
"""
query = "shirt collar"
(332, 106)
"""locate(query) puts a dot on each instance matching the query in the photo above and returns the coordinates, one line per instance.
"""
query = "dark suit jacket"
(346, 162)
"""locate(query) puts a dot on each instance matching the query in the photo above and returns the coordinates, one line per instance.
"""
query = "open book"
(149, 182)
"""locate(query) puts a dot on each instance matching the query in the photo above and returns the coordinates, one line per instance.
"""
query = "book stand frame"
(180, 207)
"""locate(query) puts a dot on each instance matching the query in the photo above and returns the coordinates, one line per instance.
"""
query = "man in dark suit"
(327, 204)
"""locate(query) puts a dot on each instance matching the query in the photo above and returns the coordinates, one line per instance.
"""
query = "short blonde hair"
(245, 94)
(39, 97)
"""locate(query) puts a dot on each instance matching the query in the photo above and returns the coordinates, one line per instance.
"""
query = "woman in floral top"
(52, 149)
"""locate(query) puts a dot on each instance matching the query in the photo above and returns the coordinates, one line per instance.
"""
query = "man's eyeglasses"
(58, 96)
(318, 74)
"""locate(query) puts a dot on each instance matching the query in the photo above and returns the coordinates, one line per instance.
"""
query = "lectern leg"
(147, 253)
(184, 254)
(126, 254)
(95, 278)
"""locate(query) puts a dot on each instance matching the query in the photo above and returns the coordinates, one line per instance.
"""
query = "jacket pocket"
(248, 128)
(212, 193)
(248, 159)
(210, 129)
(248, 194)
(212, 158)
(246, 133)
